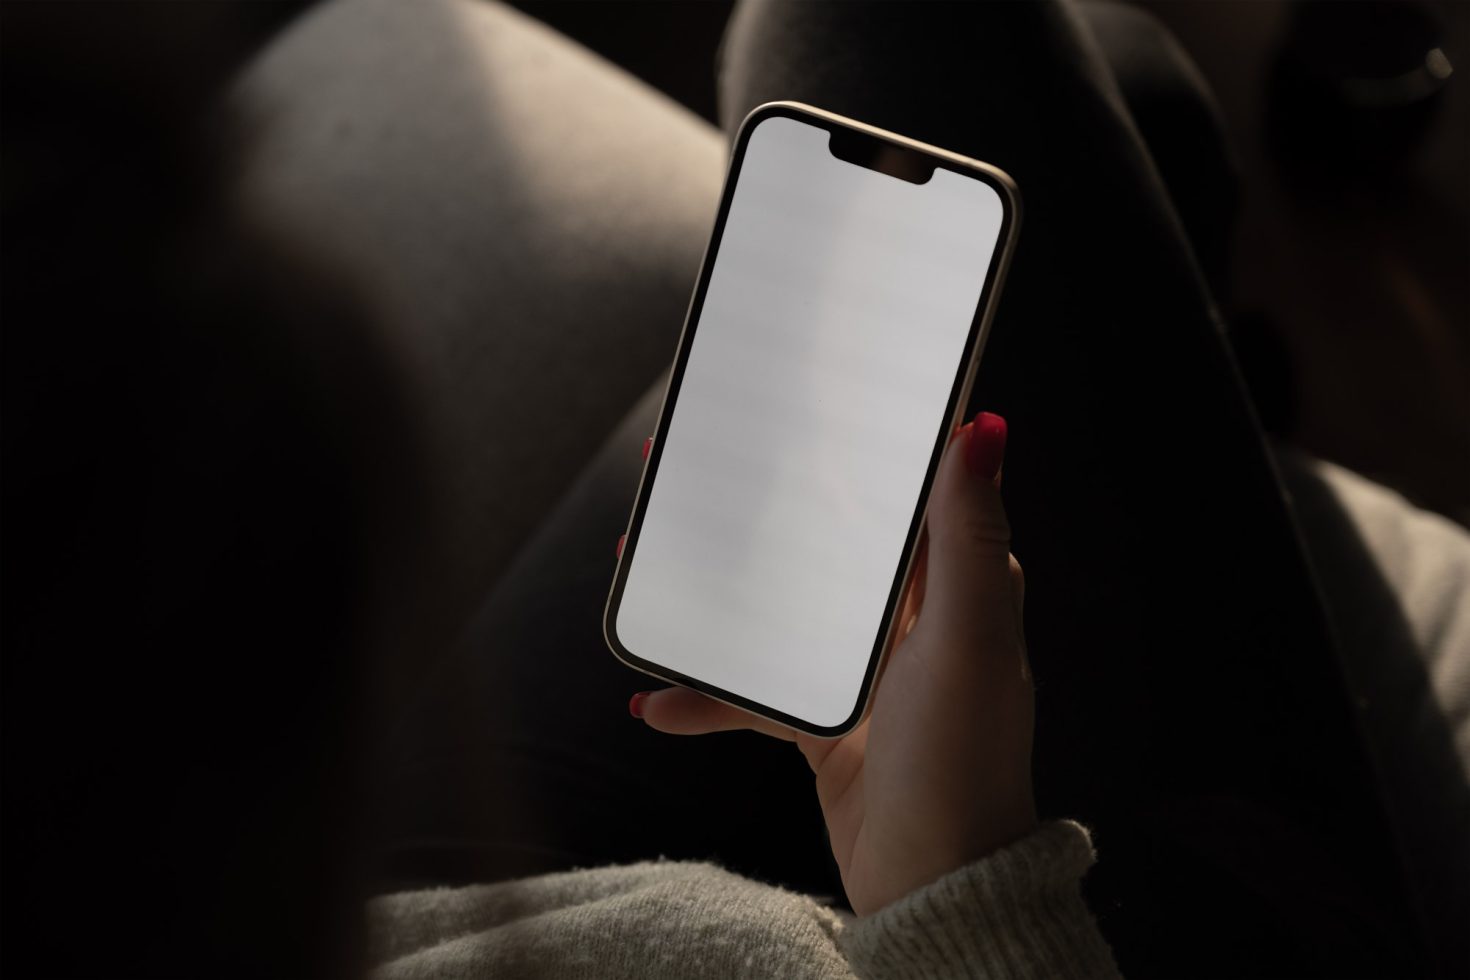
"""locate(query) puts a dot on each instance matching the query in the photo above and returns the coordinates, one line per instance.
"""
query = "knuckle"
(986, 533)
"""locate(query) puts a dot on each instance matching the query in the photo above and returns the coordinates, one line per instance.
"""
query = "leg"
(521, 757)
(534, 219)
(1153, 748)
(1395, 580)
(497, 188)
(1189, 702)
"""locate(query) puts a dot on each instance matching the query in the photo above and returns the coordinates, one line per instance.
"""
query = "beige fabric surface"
(1016, 914)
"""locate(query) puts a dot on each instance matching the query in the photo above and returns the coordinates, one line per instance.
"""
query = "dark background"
(1348, 299)
(1350, 296)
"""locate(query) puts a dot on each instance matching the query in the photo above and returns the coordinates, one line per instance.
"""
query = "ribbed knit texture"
(1016, 914)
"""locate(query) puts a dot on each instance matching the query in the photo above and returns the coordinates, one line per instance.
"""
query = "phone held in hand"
(828, 352)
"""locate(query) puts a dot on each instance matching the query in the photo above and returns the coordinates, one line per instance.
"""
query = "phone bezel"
(959, 396)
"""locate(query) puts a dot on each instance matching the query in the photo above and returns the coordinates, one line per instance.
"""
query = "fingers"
(680, 711)
(967, 588)
(970, 595)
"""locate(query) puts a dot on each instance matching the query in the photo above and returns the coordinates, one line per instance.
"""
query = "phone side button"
(621, 539)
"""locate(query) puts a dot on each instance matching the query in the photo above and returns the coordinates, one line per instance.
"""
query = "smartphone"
(828, 351)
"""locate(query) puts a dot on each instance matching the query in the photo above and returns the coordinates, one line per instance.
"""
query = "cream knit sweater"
(1015, 914)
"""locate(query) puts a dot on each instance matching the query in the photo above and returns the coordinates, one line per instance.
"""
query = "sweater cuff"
(1017, 913)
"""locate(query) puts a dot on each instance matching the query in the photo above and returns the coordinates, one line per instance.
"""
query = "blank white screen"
(817, 381)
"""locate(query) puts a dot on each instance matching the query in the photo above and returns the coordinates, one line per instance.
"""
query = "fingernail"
(635, 704)
(647, 445)
(987, 447)
(622, 538)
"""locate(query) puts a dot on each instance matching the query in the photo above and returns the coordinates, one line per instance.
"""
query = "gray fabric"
(383, 124)
(1171, 103)
(1425, 560)
(1188, 702)
(1015, 914)
(414, 142)
(1396, 581)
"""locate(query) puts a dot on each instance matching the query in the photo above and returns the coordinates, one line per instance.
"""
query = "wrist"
(1020, 904)
(938, 854)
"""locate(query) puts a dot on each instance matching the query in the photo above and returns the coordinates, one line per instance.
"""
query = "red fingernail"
(621, 539)
(647, 445)
(987, 446)
(635, 704)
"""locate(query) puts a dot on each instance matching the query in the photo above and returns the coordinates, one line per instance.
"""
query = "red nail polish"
(647, 445)
(635, 704)
(987, 447)
(622, 538)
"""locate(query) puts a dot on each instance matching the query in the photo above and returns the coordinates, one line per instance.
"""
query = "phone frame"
(959, 396)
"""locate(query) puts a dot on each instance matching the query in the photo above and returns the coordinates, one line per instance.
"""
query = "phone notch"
(878, 154)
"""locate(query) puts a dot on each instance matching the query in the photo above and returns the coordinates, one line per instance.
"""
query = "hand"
(939, 773)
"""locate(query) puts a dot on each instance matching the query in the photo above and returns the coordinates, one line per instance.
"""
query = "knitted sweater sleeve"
(1016, 914)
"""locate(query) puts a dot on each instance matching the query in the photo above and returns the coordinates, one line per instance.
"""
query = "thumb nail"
(987, 446)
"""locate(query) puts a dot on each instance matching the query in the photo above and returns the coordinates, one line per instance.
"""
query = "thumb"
(972, 594)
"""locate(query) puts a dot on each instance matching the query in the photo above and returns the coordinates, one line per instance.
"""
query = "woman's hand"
(939, 774)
